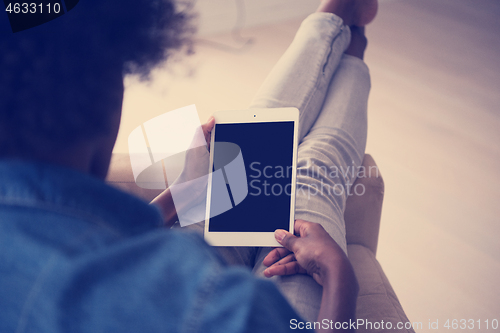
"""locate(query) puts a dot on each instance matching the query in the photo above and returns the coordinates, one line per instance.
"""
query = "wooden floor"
(434, 130)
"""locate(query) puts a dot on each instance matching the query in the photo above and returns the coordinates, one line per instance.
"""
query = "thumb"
(207, 128)
(209, 125)
(286, 239)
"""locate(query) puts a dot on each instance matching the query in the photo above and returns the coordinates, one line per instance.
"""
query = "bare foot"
(366, 10)
(352, 12)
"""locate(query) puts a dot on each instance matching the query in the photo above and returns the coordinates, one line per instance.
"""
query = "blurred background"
(434, 130)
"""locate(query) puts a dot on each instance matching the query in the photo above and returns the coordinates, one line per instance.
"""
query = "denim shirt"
(79, 256)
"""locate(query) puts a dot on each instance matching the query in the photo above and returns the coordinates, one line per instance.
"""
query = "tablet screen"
(267, 151)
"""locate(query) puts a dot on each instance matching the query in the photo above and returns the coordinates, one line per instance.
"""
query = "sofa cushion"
(376, 297)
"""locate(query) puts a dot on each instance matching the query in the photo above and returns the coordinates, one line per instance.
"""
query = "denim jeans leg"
(336, 142)
(330, 155)
(301, 77)
(331, 92)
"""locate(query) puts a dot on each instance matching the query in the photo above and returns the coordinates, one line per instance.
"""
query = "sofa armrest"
(363, 212)
(376, 301)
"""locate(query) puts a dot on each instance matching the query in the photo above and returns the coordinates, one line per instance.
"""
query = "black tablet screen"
(267, 151)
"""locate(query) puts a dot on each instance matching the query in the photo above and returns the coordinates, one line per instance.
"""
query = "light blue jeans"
(330, 89)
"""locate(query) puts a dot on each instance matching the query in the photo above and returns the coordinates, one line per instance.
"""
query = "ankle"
(358, 43)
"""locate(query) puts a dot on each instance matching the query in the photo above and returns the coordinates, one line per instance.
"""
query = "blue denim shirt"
(79, 256)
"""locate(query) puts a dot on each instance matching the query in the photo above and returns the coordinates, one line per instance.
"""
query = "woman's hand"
(312, 252)
(187, 194)
(198, 158)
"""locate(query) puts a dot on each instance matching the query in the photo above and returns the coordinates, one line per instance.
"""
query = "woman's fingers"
(275, 255)
(313, 250)
(287, 265)
(286, 239)
(289, 268)
(285, 260)
(207, 129)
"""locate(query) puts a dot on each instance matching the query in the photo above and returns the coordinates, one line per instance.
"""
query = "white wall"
(217, 16)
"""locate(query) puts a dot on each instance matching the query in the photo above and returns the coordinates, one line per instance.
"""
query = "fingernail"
(279, 235)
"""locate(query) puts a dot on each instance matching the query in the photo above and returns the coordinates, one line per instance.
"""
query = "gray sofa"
(377, 305)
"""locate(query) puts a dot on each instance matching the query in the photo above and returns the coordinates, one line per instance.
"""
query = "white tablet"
(251, 189)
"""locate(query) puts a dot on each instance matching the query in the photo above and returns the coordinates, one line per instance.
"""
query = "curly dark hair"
(57, 80)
